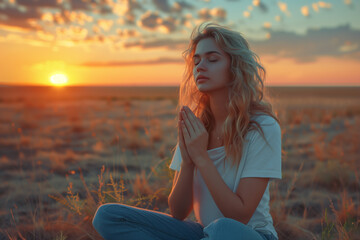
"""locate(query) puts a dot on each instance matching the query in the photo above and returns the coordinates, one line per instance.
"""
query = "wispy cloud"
(162, 5)
(284, 8)
(339, 41)
(152, 21)
(260, 5)
(19, 17)
(167, 43)
(101, 20)
(217, 13)
(305, 11)
(132, 63)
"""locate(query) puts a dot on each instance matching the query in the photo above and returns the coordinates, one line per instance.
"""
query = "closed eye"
(197, 61)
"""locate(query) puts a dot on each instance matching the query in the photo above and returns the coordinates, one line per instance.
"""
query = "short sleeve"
(176, 160)
(263, 158)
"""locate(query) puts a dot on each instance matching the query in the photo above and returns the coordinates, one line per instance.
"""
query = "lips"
(201, 78)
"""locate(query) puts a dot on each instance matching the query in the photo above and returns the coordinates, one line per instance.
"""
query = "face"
(211, 66)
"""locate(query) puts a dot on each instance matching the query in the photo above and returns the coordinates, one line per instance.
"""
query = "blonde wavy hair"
(246, 88)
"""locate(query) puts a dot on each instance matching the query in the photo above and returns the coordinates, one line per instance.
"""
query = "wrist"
(202, 161)
(187, 165)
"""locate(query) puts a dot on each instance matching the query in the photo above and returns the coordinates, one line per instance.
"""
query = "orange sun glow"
(59, 79)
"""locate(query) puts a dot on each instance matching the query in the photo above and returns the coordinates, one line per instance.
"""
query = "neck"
(218, 105)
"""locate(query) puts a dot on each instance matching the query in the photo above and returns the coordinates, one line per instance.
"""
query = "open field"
(63, 152)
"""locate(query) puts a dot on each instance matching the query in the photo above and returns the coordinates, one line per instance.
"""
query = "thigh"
(154, 223)
(230, 229)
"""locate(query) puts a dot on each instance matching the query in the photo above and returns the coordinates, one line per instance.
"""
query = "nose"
(201, 66)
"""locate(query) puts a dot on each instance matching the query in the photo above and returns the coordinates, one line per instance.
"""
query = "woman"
(229, 148)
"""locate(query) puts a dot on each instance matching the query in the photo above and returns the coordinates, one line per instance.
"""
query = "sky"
(140, 42)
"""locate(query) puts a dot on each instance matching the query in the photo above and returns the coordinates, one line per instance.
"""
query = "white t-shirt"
(259, 160)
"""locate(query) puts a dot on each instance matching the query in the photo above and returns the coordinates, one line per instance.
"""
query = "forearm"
(181, 197)
(228, 202)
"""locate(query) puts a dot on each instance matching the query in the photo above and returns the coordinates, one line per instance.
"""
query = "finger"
(180, 132)
(188, 124)
(181, 118)
(200, 124)
(191, 116)
(196, 122)
(185, 132)
(181, 136)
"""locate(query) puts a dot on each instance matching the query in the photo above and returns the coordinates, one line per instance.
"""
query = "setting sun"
(59, 79)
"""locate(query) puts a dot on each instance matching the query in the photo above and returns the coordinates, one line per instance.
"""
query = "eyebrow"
(207, 53)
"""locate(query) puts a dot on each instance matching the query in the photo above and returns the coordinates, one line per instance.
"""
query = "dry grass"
(63, 159)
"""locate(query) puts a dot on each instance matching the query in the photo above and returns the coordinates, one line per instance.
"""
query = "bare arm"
(181, 197)
(240, 205)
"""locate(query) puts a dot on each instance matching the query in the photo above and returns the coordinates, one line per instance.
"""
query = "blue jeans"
(117, 221)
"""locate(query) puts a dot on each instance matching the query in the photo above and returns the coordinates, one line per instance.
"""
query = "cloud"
(152, 21)
(27, 15)
(167, 43)
(133, 63)
(260, 5)
(349, 47)
(105, 24)
(127, 33)
(149, 21)
(105, 9)
(246, 14)
(315, 7)
(278, 18)
(180, 5)
(324, 4)
(348, 2)
(76, 17)
(335, 42)
(305, 11)
(283, 7)
(38, 3)
(162, 5)
(320, 4)
(48, 37)
(72, 33)
(168, 25)
(19, 17)
(97, 39)
(78, 5)
(126, 10)
(217, 13)
(267, 25)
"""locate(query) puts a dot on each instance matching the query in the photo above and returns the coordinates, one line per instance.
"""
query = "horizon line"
(124, 85)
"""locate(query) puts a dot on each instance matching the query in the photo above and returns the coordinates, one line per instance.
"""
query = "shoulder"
(269, 126)
(264, 119)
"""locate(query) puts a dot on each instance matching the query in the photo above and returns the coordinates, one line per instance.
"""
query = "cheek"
(223, 69)
(224, 72)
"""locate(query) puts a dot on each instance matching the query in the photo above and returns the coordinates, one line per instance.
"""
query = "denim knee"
(217, 226)
(222, 222)
(227, 228)
(100, 214)
(102, 217)
(105, 214)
